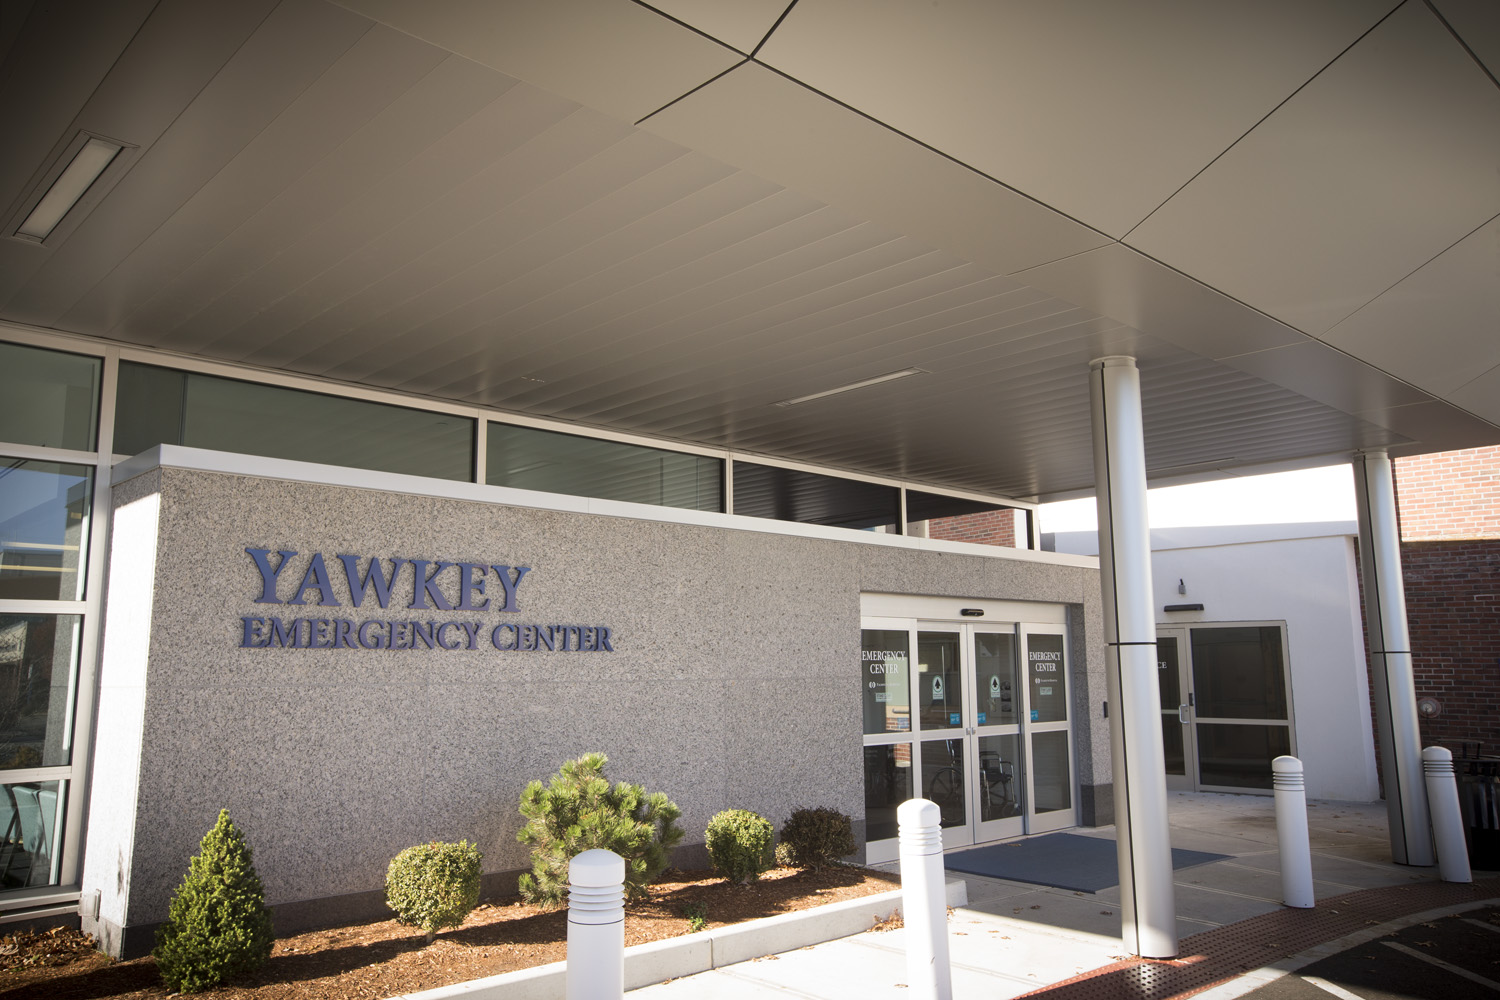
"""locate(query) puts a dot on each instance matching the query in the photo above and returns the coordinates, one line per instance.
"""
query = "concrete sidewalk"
(1014, 938)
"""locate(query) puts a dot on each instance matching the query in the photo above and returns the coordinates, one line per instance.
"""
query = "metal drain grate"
(1219, 955)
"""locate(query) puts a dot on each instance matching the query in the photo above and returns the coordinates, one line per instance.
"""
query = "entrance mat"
(1059, 860)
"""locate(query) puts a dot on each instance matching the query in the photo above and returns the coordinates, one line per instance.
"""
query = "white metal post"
(1394, 689)
(1291, 832)
(923, 900)
(1147, 905)
(596, 926)
(1447, 818)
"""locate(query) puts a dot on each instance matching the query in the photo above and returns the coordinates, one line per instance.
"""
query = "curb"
(690, 954)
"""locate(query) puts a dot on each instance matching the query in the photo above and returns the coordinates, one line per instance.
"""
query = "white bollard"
(1447, 819)
(596, 926)
(1291, 832)
(924, 900)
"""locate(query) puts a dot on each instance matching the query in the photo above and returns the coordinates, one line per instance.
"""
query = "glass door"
(1049, 742)
(943, 729)
(1176, 710)
(998, 780)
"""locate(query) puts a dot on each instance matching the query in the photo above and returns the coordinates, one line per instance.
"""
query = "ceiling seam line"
(695, 30)
(761, 44)
(933, 149)
(1413, 271)
(1460, 39)
(690, 93)
(1262, 120)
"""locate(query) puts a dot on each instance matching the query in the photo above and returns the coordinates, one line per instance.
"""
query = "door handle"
(1182, 714)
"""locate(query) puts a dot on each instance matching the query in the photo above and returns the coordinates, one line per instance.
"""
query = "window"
(810, 498)
(531, 459)
(48, 398)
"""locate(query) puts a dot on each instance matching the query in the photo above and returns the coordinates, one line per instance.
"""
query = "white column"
(1147, 905)
(1393, 687)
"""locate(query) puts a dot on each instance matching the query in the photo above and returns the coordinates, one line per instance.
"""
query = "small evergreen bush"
(739, 844)
(816, 837)
(434, 885)
(218, 926)
(578, 811)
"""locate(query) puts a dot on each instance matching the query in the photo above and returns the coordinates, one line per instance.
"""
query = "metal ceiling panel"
(1374, 168)
(740, 23)
(1096, 108)
(1481, 395)
(1438, 326)
(762, 121)
(1119, 282)
(618, 57)
(1477, 22)
(288, 51)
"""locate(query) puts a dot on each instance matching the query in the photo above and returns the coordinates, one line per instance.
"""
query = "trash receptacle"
(1479, 799)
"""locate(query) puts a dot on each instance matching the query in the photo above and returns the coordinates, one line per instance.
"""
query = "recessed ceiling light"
(887, 377)
(87, 164)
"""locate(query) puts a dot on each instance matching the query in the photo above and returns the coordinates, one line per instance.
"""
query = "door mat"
(1059, 860)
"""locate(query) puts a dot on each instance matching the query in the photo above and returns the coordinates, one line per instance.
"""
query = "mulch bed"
(386, 959)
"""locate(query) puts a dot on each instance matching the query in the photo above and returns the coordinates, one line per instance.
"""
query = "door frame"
(974, 830)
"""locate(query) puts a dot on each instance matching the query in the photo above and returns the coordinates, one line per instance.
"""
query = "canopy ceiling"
(667, 219)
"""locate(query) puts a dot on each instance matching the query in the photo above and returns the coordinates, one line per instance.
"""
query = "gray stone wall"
(732, 682)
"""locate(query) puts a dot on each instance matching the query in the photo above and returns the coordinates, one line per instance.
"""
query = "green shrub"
(218, 926)
(434, 885)
(816, 837)
(697, 916)
(739, 844)
(578, 811)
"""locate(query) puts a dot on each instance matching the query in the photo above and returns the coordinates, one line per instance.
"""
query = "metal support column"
(1147, 904)
(1393, 686)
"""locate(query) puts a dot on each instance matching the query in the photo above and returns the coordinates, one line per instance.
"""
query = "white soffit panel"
(741, 23)
(1439, 326)
(775, 128)
(1098, 108)
(1124, 285)
(1319, 372)
(1374, 168)
(614, 56)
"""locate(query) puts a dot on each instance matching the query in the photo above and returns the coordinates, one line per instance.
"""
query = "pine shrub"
(739, 844)
(218, 926)
(433, 886)
(816, 837)
(578, 811)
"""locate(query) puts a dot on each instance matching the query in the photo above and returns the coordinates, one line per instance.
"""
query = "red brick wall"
(990, 527)
(1449, 495)
(1453, 613)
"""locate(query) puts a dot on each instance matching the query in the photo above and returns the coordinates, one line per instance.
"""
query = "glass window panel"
(28, 833)
(38, 665)
(954, 519)
(44, 529)
(1048, 678)
(1168, 673)
(532, 459)
(1237, 672)
(940, 684)
(995, 677)
(1171, 743)
(1240, 756)
(811, 498)
(1001, 777)
(887, 785)
(255, 419)
(48, 398)
(1052, 782)
(885, 683)
(943, 778)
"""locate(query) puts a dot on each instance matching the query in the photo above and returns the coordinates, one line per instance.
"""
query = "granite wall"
(732, 681)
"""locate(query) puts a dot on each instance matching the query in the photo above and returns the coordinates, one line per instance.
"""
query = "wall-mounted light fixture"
(73, 172)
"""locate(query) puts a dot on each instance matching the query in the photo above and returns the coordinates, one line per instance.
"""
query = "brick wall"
(990, 527)
(1453, 613)
(1450, 494)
